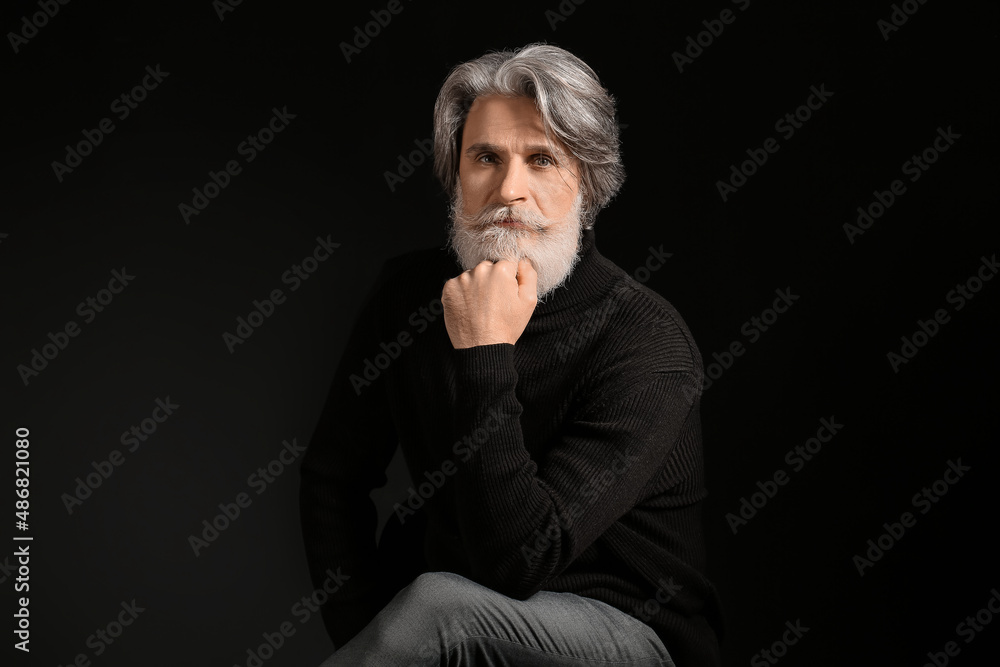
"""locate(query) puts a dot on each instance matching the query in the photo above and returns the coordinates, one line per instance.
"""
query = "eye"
(487, 158)
(544, 161)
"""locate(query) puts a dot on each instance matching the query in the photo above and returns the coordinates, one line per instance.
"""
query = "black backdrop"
(160, 337)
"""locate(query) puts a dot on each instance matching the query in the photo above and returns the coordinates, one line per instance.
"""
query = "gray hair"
(571, 101)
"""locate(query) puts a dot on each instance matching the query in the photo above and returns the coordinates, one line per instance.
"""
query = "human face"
(518, 194)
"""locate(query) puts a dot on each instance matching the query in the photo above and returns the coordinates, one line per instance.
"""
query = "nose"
(514, 183)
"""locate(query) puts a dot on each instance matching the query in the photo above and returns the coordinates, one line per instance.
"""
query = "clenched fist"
(490, 303)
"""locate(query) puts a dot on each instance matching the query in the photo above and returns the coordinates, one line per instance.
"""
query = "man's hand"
(490, 303)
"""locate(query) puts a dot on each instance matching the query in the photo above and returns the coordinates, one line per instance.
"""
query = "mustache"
(492, 214)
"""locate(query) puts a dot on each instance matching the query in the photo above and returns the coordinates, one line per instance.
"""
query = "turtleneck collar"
(589, 281)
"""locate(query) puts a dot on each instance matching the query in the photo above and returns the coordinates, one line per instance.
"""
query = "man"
(547, 408)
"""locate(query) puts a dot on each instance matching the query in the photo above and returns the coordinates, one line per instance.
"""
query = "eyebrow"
(484, 147)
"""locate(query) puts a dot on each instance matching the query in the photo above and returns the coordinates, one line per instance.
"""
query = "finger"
(506, 268)
(527, 278)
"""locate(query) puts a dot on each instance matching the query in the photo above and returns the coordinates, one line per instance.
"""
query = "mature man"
(547, 407)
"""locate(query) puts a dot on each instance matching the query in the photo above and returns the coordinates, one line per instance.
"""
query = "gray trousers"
(445, 619)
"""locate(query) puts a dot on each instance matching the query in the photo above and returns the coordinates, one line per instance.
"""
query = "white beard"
(551, 245)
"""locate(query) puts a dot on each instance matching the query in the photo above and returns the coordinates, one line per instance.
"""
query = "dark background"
(325, 175)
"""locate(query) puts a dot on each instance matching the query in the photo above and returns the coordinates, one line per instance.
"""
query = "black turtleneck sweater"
(570, 461)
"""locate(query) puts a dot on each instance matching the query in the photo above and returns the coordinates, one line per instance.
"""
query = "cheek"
(470, 203)
(556, 200)
(473, 189)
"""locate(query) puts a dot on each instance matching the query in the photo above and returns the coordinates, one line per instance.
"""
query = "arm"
(523, 522)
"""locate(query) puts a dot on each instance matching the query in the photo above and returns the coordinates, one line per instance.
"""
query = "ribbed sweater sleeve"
(523, 523)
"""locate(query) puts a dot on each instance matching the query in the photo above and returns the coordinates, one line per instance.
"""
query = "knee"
(437, 594)
(424, 617)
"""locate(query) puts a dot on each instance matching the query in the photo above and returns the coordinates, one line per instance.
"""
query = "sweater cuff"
(486, 368)
(485, 379)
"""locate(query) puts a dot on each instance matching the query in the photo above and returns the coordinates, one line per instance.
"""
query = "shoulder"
(644, 325)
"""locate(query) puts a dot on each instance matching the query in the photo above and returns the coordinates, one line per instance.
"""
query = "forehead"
(511, 122)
